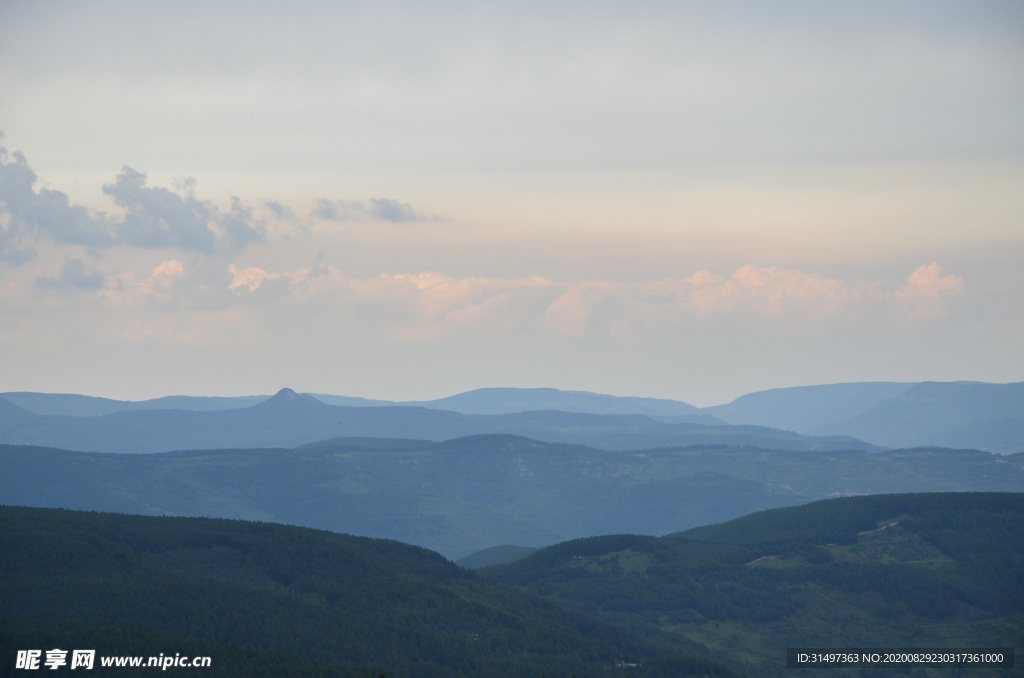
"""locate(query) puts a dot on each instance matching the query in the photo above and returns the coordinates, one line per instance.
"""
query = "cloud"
(281, 212)
(702, 278)
(26, 214)
(73, 274)
(382, 209)
(774, 293)
(337, 210)
(157, 218)
(392, 210)
(433, 305)
(164, 273)
(928, 292)
(251, 277)
(153, 217)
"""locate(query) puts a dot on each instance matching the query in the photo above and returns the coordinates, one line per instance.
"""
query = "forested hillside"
(331, 598)
(884, 571)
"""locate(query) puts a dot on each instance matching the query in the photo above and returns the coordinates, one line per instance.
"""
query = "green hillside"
(882, 571)
(467, 494)
(327, 597)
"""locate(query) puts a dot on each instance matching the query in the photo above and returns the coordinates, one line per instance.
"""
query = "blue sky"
(406, 200)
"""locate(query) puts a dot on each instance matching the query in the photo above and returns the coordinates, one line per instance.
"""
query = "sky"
(409, 200)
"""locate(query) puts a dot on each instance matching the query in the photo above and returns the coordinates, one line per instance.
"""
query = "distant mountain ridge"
(806, 408)
(976, 415)
(75, 405)
(478, 401)
(973, 414)
(509, 400)
(289, 419)
(960, 414)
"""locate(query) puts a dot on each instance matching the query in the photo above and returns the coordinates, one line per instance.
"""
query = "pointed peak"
(287, 396)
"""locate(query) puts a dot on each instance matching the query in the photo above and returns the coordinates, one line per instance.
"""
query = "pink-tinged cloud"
(182, 305)
(432, 305)
(165, 273)
(928, 292)
(702, 278)
(773, 293)
(252, 277)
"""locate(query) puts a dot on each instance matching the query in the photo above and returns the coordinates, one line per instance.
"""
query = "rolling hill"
(467, 494)
(912, 570)
(331, 598)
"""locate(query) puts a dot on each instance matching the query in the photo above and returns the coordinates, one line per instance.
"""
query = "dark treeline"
(328, 597)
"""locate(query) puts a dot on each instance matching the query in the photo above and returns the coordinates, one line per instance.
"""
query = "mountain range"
(883, 414)
(290, 419)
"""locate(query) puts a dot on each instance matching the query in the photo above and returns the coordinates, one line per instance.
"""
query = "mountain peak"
(287, 396)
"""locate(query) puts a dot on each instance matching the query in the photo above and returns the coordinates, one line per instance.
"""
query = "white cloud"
(927, 293)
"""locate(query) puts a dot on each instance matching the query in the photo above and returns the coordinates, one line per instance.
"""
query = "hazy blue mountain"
(495, 555)
(511, 400)
(290, 419)
(806, 408)
(993, 435)
(973, 414)
(480, 401)
(354, 401)
(88, 406)
(463, 495)
(508, 400)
